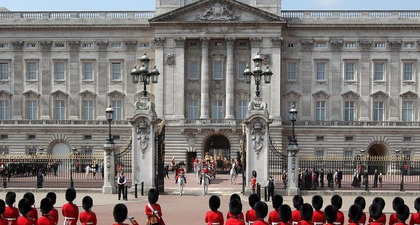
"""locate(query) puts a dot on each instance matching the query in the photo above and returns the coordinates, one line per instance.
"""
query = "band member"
(54, 212)
(214, 216)
(88, 216)
(3, 221)
(33, 213)
(120, 214)
(70, 210)
(153, 210)
(24, 206)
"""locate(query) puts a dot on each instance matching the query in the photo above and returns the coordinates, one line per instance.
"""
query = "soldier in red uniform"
(33, 214)
(381, 202)
(11, 213)
(153, 210)
(285, 214)
(415, 217)
(261, 211)
(87, 216)
(24, 206)
(330, 214)
(120, 214)
(403, 212)
(355, 214)
(250, 215)
(214, 216)
(46, 207)
(395, 203)
(3, 221)
(235, 209)
(337, 201)
(306, 212)
(180, 170)
(273, 216)
(375, 212)
(297, 203)
(206, 172)
(241, 214)
(362, 203)
(318, 215)
(70, 210)
(54, 212)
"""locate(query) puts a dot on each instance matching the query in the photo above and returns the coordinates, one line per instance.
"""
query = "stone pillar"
(18, 79)
(179, 78)
(45, 77)
(205, 78)
(230, 80)
(159, 43)
(109, 170)
(292, 170)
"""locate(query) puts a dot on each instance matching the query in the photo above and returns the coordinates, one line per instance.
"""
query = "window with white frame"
(292, 44)
(319, 153)
(217, 109)
(116, 71)
(117, 106)
(87, 110)
(242, 108)
(320, 110)
(348, 153)
(88, 45)
(217, 70)
(380, 45)
(4, 71)
(31, 150)
(116, 45)
(320, 71)
(60, 109)
(349, 71)
(193, 69)
(350, 45)
(59, 45)
(349, 110)
(87, 70)
(291, 71)
(31, 71)
(192, 109)
(60, 70)
(408, 71)
(32, 109)
(4, 109)
(378, 110)
(321, 44)
(407, 111)
(378, 71)
(241, 68)
(408, 45)
(289, 105)
(4, 46)
(31, 45)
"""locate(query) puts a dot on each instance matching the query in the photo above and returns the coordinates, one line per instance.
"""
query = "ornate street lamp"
(365, 169)
(258, 73)
(142, 74)
(73, 167)
(40, 150)
(292, 161)
(293, 115)
(109, 115)
(400, 157)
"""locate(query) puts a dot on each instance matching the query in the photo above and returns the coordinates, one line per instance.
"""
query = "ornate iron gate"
(277, 166)
(123, 161)
(160, 157)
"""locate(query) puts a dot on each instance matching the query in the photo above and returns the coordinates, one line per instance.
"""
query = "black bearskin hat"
(30, 197)
(317, 202)
(261, 209)
(330, 213)
(396, 202)
(235, 207)
(2, 206)
(285, 213)
(46, 205)
(306, 211)
(375, 211)
(417, 204)
(52, 196)
(153, 196)
(337, 201)
(252, 199)
(360, 201)
(120, 213)
(214, 202)
(24, 206)
(87, 202)
(277, 201)
(235, 196)
(297, 201)
(403, 212)
(355, 213)
(70, 194)
(10, 198)
(380, 201)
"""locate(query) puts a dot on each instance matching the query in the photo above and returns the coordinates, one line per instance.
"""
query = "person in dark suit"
(330, 179)
(339, 177)
(121, 186)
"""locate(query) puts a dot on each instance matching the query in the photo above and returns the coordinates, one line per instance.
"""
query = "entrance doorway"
(190, 161)
(219, 147)
(376, 158)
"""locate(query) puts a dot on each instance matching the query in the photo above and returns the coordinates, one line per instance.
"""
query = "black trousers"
(121, 189)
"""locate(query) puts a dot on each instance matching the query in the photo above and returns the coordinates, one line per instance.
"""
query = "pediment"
(321, 94)
(59, 94)
(216, 11)
(87, 94)
(350, 94)
(217, 94)
(115, 94)
(379, 94)
(241, 93)
(30, 93)
(409, 94)
(193, 94)
(292, 95)
(5, 94)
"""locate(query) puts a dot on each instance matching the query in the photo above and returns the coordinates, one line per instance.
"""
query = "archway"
(376, 158)
(219, 147)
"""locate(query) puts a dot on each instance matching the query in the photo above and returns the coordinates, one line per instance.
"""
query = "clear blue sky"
(142, 5)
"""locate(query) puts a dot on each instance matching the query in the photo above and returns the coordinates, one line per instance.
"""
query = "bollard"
(135, 191)
(142, 188)
(126, 192)
(266, 194)
(259, 190)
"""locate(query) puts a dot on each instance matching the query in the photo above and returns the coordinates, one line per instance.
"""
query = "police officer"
(121, 186)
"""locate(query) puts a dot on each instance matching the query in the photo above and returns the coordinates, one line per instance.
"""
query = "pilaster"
(205, 78)
(103, 79)
(179, 75)
(18, 81)
(45, 80)
(75, 84)
(230, 79)
(159, 43)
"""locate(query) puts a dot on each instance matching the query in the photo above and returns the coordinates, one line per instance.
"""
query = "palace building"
(353, 76)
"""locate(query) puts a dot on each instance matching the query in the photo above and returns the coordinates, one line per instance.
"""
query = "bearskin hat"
(120, 213)
(360, 201)
(317, 202)
(355, 213)
(214, 202)
(306, 211)
(403, 212)
(396, 202)
(375, 211)
(153, 196)
(330, 213)
(285, 213)
(297, 201)
(10, 198)
(277, 201)
(87, 202)
(235, 207)
(380, 201)
(70, 194)
(24, 206)
(2, 206)
(417, 204)
(52, 196)
(261, 209)
(235, 196)
(337, 201)
(46, 205)
(252, 199)
(30, 197)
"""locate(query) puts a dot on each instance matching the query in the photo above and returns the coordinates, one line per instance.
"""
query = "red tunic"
(273, 217)
(260, 222)
(3, 221)
(149, 212)
(305, 222)
(234, 221)
(240, 216)
(214, 217)
(318, 217)
(415, 218)
(393, 219)
(362, 220)
(54, 214)
(70, 213)
(375, 223)
(295, 218)
(382, 219)
(45, 220)
(251, 216)
(340, 218)
(25, 220)
(88, 217)
(11, 214)
(33, 214)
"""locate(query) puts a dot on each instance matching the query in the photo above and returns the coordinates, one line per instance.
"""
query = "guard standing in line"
(121, 186)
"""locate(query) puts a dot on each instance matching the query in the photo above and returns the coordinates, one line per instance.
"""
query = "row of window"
(353, 45)
(350, 71)
(351, 153)
(63, 45)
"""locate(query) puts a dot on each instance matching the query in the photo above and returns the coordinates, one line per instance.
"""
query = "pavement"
(192, 206)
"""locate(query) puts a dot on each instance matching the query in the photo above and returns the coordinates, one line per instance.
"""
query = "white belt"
(215, 223)
(275, 223)
(337, 223)
(89, 223)
(294, 223)
(69, 218)
(251, 222)
(11, 219)
(318, 223)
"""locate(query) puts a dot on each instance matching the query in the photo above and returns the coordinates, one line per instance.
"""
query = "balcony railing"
(62, 122)
(351, 14)
(74, 15)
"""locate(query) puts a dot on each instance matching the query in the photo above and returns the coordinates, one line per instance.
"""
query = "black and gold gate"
(160, 156)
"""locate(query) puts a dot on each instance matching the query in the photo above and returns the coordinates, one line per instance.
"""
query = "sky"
(145, 5)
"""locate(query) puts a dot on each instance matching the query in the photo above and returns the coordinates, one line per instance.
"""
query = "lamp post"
(258, 73)
(293, 163)
(365, 169)
(401, 166)
(142, 74)
(73, 167)
(293, 115)
(109, 115)
(41, 150)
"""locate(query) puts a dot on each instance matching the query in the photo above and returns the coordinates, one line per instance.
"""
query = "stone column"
(179, 77)
(109, 170)
(159, 43)
(131, 88)
(205, 78)
(292, 170)
(104, 79)
(18, 80)
(75, 84)
(275, 85)
(45, 80)
(230, 79)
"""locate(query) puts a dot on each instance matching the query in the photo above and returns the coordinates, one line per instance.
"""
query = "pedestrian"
(46, 207)
(235, 209)
(153, 210)
(321, 177)
(253, 184)
(70, 210)
(33, 214)
(366, 180)
(54, 212)
(24, 206)
(317, 216)
(306, 213)
(270, 187)
(261, 210)
(121, 186)
(273, 216)
(250, 215)
(3, 220)
(330, 180)
(339, 177)
(214, 216)
(375, 178)
(241, 214)
(11, 213)
(380, 179)
(120, 214)
(87, 216)
(355, 214)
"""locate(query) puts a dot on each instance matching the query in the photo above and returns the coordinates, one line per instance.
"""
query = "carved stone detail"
(307, 45)
(336, 45)
(115, 94)
(257, 104)
(230, 41)
(17, 45)
(131, 45)
(143, 131)
(46, 45)
(102, 45)
(74, 45)
(180, 42)
(365, 45)
(145, 105)
(266, 59)
(169, 59)
(395, 45)
(159, 42)
(255, 41)
(218, 12)
(87, 94)
(257, 136)
(205, 41)
(277, 42)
